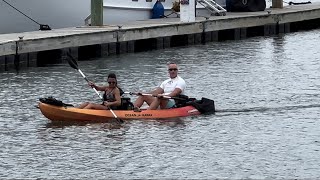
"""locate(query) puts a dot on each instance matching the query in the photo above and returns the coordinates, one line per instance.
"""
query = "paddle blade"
(72, 62)
(120, 121)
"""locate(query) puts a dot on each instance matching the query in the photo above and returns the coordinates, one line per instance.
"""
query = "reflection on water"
(61, 125)
(263, 109)
(266, 91)
(173, 122)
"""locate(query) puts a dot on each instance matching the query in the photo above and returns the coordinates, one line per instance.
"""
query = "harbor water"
(266, 91)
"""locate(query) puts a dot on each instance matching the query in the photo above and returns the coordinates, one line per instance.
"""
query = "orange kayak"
(72, 114)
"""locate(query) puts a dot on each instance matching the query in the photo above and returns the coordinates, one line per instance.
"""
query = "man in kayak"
(111, 96)
(171, 87)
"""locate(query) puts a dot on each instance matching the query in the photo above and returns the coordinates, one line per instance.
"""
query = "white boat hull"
(72, 13)
(117, 12)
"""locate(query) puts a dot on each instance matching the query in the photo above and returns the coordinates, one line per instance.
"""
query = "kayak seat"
(126, 104)
(181, 100)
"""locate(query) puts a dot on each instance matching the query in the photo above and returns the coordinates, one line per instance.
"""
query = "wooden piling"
(97, 12)
(277, 4)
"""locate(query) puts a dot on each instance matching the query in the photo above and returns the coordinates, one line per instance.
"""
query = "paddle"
(145, 94)
(73, 63)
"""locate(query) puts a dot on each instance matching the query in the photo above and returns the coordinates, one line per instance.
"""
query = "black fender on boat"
(246, 5)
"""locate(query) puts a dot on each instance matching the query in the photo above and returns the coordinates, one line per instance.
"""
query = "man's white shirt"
(170, 84)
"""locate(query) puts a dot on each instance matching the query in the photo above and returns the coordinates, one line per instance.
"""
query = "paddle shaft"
(114, 114)
(73, 63)
(146, 94)
(95, 90)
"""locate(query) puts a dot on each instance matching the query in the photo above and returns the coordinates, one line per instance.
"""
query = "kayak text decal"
(138, 115)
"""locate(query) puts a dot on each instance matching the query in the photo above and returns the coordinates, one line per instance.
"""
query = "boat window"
(134, 0)
(148, 0)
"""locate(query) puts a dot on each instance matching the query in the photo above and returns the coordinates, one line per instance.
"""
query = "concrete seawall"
(39, 48)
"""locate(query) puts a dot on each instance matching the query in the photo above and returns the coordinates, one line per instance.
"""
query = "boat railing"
(213, 7)
(87, 20)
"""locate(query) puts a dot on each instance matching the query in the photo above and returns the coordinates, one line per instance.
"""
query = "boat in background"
(73, 13)
(121, 11)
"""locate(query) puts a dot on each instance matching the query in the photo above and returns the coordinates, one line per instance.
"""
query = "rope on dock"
(42, 26)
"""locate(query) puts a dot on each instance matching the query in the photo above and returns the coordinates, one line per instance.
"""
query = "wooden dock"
(38, 48)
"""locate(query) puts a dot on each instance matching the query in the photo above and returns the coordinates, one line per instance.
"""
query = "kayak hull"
(72, 114)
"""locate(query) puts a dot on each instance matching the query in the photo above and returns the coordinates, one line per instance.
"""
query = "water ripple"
(266, 91)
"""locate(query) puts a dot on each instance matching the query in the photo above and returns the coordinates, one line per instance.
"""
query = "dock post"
(97, 12)
(277, 4)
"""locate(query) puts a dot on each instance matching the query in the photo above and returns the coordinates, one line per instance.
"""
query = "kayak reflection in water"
(171, 87)
(111, 96)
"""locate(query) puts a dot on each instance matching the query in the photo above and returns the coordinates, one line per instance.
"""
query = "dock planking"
(123, 38)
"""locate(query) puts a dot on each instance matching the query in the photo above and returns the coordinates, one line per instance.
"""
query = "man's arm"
(157, 91)
(175, 92)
